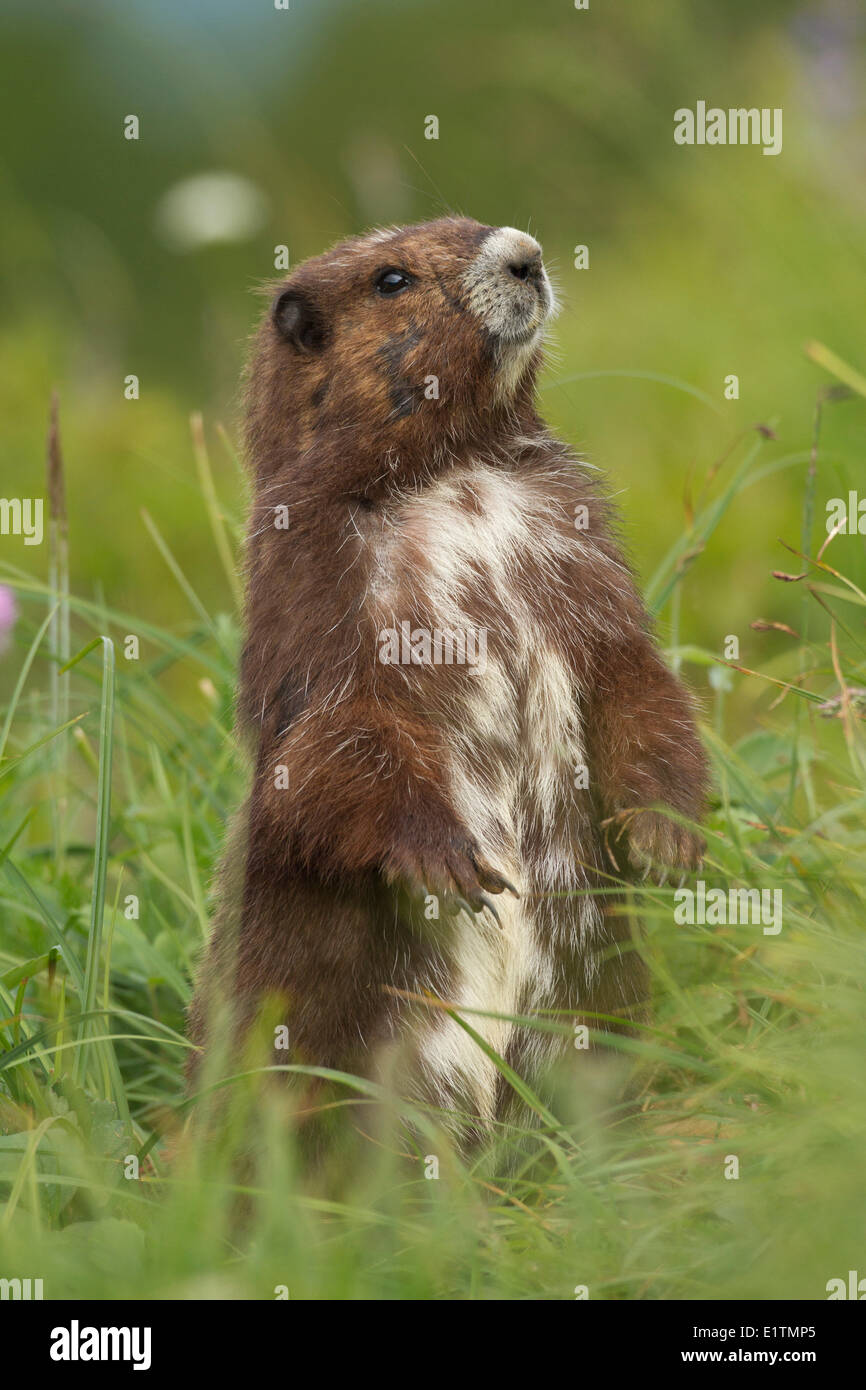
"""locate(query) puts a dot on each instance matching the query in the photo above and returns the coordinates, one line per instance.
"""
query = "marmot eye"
(392, 281)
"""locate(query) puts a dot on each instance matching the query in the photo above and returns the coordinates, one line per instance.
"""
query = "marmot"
(456, 709)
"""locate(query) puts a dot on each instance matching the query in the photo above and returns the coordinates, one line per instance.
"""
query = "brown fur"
(321, 881)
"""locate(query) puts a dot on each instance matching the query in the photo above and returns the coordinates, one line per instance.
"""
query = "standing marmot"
(441, 633)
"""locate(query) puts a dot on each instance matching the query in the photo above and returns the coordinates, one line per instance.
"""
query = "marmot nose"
(509, 257)
(521, 254)
(526, 267)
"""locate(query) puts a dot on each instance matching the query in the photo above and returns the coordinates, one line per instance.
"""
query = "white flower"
(210, 209)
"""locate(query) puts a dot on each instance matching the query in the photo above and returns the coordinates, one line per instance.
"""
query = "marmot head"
(403, 342)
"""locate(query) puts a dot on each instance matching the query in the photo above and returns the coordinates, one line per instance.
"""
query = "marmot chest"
(468, 590)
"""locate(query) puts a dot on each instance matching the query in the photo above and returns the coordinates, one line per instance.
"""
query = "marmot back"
(459, 721)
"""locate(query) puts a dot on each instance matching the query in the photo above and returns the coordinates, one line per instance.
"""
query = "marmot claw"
(457, 873)
(654, 843)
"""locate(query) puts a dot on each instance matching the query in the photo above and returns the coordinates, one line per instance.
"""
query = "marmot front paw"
(452, 868)
(652, 841)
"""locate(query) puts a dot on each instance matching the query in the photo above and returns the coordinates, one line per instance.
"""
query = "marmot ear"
(297, 319)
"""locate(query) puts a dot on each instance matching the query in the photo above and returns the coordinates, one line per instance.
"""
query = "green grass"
(115, 795)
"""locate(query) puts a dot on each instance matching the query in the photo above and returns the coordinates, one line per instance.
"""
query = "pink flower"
(8, 614)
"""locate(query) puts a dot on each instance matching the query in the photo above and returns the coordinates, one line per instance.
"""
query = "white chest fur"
(445, 557)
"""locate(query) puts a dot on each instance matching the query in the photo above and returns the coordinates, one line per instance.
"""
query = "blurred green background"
(703, 261)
